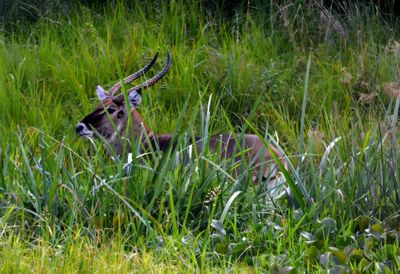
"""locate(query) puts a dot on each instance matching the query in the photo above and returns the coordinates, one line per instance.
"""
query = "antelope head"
(110, 118)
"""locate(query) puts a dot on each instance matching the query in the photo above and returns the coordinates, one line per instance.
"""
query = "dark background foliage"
(17, 12)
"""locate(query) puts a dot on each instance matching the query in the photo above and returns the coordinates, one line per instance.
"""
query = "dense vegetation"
(321, 84)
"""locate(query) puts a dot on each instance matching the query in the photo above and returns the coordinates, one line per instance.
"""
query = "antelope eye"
(111, 110)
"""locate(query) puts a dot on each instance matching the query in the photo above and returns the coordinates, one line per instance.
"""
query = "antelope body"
(110, 120)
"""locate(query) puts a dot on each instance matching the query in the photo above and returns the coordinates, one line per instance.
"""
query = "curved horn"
(132, 77)
(154, 80)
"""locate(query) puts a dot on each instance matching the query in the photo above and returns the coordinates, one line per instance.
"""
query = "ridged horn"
(132, 77)
(154, 80)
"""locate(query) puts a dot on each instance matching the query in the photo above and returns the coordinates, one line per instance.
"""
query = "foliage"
(322, 88)
(17, 12)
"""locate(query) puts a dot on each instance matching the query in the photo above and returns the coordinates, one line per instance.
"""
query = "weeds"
(315, 93)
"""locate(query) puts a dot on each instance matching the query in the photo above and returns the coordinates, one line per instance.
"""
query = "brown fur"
(110, 120)
(226, 144)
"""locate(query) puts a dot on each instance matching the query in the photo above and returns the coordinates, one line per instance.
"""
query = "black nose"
(78, 128)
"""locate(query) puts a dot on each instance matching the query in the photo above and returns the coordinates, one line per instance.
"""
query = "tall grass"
(314, 92)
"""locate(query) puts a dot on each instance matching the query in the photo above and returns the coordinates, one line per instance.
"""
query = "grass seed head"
(393, 89)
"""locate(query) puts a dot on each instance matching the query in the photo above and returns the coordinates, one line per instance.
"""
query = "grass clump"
(317, 92)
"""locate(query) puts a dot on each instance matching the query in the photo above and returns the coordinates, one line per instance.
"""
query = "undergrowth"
(320, 84)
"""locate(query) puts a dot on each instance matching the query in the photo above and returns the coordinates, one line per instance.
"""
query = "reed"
(313, 92)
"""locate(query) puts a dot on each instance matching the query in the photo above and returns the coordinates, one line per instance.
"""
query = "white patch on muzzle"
(83, 131)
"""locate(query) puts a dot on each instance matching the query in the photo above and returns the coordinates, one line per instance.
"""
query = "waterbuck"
(110, 120)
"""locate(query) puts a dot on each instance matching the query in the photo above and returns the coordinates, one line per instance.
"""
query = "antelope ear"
(101, 93)
(135, 98)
